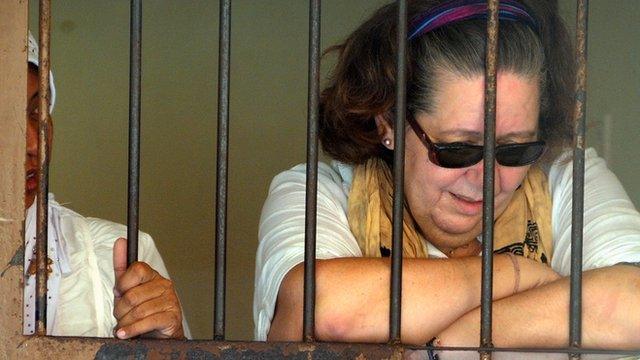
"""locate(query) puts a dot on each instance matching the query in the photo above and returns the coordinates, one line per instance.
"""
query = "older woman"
(443, 193)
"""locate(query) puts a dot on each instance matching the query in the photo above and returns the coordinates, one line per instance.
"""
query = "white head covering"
(33, 58)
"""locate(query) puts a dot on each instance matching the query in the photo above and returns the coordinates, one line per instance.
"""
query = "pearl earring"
(386, 142)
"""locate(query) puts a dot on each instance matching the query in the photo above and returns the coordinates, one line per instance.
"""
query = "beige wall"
(268, 120)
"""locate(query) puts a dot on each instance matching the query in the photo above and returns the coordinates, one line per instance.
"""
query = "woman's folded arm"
(352, 296)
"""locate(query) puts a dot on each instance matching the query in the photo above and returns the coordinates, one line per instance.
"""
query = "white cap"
(32, 57)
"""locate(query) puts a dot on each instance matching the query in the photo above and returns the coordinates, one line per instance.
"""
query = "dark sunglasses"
(459, 155)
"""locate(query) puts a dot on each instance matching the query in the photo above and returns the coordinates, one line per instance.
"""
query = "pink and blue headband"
(459, 10)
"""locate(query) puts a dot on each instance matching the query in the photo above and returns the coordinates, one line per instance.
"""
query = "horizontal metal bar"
(567, 350)
(56, 347)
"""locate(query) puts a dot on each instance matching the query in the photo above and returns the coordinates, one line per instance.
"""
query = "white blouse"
(611, 225)
(80, 285)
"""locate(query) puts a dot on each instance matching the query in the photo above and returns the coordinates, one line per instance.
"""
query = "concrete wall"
(268, 120)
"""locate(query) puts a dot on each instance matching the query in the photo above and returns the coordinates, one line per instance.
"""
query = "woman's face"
(447, 203)
(32, 172)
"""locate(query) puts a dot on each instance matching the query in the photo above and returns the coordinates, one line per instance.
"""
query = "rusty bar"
(60, 347)
(42, 212)
(532, 350)
(245, 350)
(222, 177)
(488, 180)
(308, 325)
(577, 215)
(135, 64)
(395, 309)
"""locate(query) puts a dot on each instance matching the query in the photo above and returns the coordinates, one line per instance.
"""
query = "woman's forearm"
(540, 317)
(352, 297)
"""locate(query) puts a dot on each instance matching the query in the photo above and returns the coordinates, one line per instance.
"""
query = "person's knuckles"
(125, 321)
(140, 312)
(119, 311)
(146, 325)
(166, 284)
(122, 306)
(138, 273)
(141, 270)
(131, 299)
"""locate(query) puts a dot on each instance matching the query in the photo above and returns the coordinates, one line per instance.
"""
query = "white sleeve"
(281, 234)
(611, 222)
(104, 234)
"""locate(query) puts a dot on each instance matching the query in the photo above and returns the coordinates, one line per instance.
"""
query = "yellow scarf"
(524, 228)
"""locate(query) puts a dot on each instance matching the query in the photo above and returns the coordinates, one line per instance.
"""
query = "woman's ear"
(385, 131)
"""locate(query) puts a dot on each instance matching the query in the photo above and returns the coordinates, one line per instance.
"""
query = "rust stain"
(122, 350)
(173, 349)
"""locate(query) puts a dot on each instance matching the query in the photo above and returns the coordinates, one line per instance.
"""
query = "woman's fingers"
(141, 294)
(136, 274)
(154, 318)
(145, 303)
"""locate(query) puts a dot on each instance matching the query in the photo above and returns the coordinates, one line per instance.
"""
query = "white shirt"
(80, 287)
(611, 225)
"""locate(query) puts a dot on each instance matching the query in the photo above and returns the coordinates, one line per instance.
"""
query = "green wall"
(268, 120)
(90, 54)
(613, 86)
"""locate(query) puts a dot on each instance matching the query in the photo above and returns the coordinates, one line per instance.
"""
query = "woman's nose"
(475, 175)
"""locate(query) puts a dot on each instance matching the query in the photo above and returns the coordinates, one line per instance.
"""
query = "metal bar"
(222, 177)
(59, 347)
(135, 61)
(42, 210)
(140, 349)
(308, 326)
(395, 323)
(488, 180)
(533, 350)
(577, 215)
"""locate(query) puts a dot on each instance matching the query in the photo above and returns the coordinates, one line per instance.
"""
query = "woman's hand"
(145, 303)
(539, 317)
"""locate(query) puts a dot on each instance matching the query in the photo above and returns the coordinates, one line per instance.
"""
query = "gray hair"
(460, 50)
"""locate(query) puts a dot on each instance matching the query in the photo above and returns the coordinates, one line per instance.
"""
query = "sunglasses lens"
(460, 156)
(519, 154)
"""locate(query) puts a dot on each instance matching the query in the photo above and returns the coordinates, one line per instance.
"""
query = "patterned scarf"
(524, 228)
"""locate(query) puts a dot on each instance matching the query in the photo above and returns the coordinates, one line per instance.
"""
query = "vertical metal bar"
(488, 180)
(42, 210)
(135, 61)
(395, 302)
(222, 178)
(312, 173)
(577, 218)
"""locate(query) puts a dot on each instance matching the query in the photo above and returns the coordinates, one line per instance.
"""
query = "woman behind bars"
(443, 193)
(91, 292)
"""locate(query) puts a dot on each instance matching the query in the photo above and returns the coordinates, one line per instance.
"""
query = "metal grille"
(108, 348)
